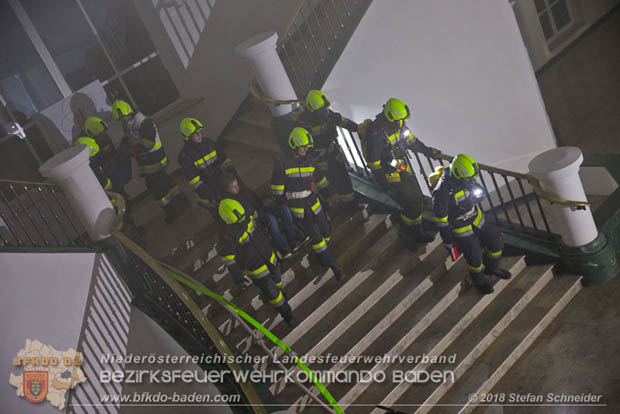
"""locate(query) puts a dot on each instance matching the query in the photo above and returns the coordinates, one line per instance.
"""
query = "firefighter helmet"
(434, 177)
(92, 145)
(231, 211)
(316, 100)
(300, 137)
(190, 126)
(464, 166)
(121, 109)
(95, 126)
(395, 110)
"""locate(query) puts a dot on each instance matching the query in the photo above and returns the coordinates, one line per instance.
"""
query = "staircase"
(394, 302)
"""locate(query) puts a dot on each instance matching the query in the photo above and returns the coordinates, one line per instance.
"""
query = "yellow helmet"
(300, 137)
(190, 126)
(464, 166)
(91, 144)
(231, 211)
(121, 109)
(95, 126)
(395, 110)
(315, 100)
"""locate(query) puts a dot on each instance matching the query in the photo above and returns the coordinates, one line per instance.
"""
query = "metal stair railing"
(38, 216)
(507, 190)
(158, 292)
(165, 301)
(315, 37)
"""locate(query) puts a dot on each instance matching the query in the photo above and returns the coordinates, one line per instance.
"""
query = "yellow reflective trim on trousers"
(459, 194)
(494, 254)
(316, 205)
(228, 258)
(297, 210)
(318, 245)
(259, 270)
(194, 180)
(272, 259)
(322, 183)
(276, 300)
(277, 187)
(408, 220)
(474, 268)
(279, 284)
(441, 219)
(108, 184)
(327, 239)
(375, 165)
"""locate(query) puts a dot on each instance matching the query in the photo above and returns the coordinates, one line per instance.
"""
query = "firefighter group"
(256, 234)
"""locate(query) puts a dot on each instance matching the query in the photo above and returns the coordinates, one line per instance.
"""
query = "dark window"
(70, 41)
(25, 82)
(151, 86)
(121, 30)
(560, 13)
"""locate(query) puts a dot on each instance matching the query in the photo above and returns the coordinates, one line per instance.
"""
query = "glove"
(432, 152)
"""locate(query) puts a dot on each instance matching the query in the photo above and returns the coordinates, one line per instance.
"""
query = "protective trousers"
(271, 288)
(165, 192)
(338, 176)
(408, 195)
(317, 227)
(482, 249)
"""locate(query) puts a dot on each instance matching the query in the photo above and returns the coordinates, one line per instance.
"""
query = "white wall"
(585, 14)
(462, 68)
(43, 298)
(213, 70)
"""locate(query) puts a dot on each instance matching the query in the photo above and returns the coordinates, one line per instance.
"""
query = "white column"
(261, 52)
(558, 172)
(70, 169)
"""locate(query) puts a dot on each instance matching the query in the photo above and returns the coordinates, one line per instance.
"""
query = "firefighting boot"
(481, 283)
(338, 272)
(499, 272)
(420, 236)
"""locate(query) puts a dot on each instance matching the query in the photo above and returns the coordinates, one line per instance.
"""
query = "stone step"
(291, 269)
(473, 331)
(462, 306)
(419, 292)
(387, 272)
(495, 361)
(321, 285)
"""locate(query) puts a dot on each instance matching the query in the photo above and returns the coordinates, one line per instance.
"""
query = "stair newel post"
(584, 250)
(70, 169)
(261, 53)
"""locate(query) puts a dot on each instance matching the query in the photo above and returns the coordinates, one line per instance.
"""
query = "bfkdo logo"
(35, 385)
(48, 373)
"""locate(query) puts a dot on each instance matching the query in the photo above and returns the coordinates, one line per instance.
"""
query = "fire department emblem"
(35, 385)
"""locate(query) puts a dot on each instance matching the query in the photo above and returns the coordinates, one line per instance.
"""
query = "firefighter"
(386, 141)
(245, 250)
(117, 164)
(293, 183)
(202, 164)
(146, 147)
(96, 159)
(322, 123)
(460, 219)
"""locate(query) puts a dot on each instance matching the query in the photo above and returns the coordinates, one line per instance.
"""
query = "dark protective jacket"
(323, 128)
(146, 146)
(202, 164)
(383, 143)
(455, 208)
(293, 181)
(244, 249)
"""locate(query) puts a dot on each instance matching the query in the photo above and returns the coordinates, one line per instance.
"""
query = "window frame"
(57, 75)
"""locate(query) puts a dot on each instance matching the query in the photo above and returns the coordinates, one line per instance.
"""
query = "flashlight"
(477, 192)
